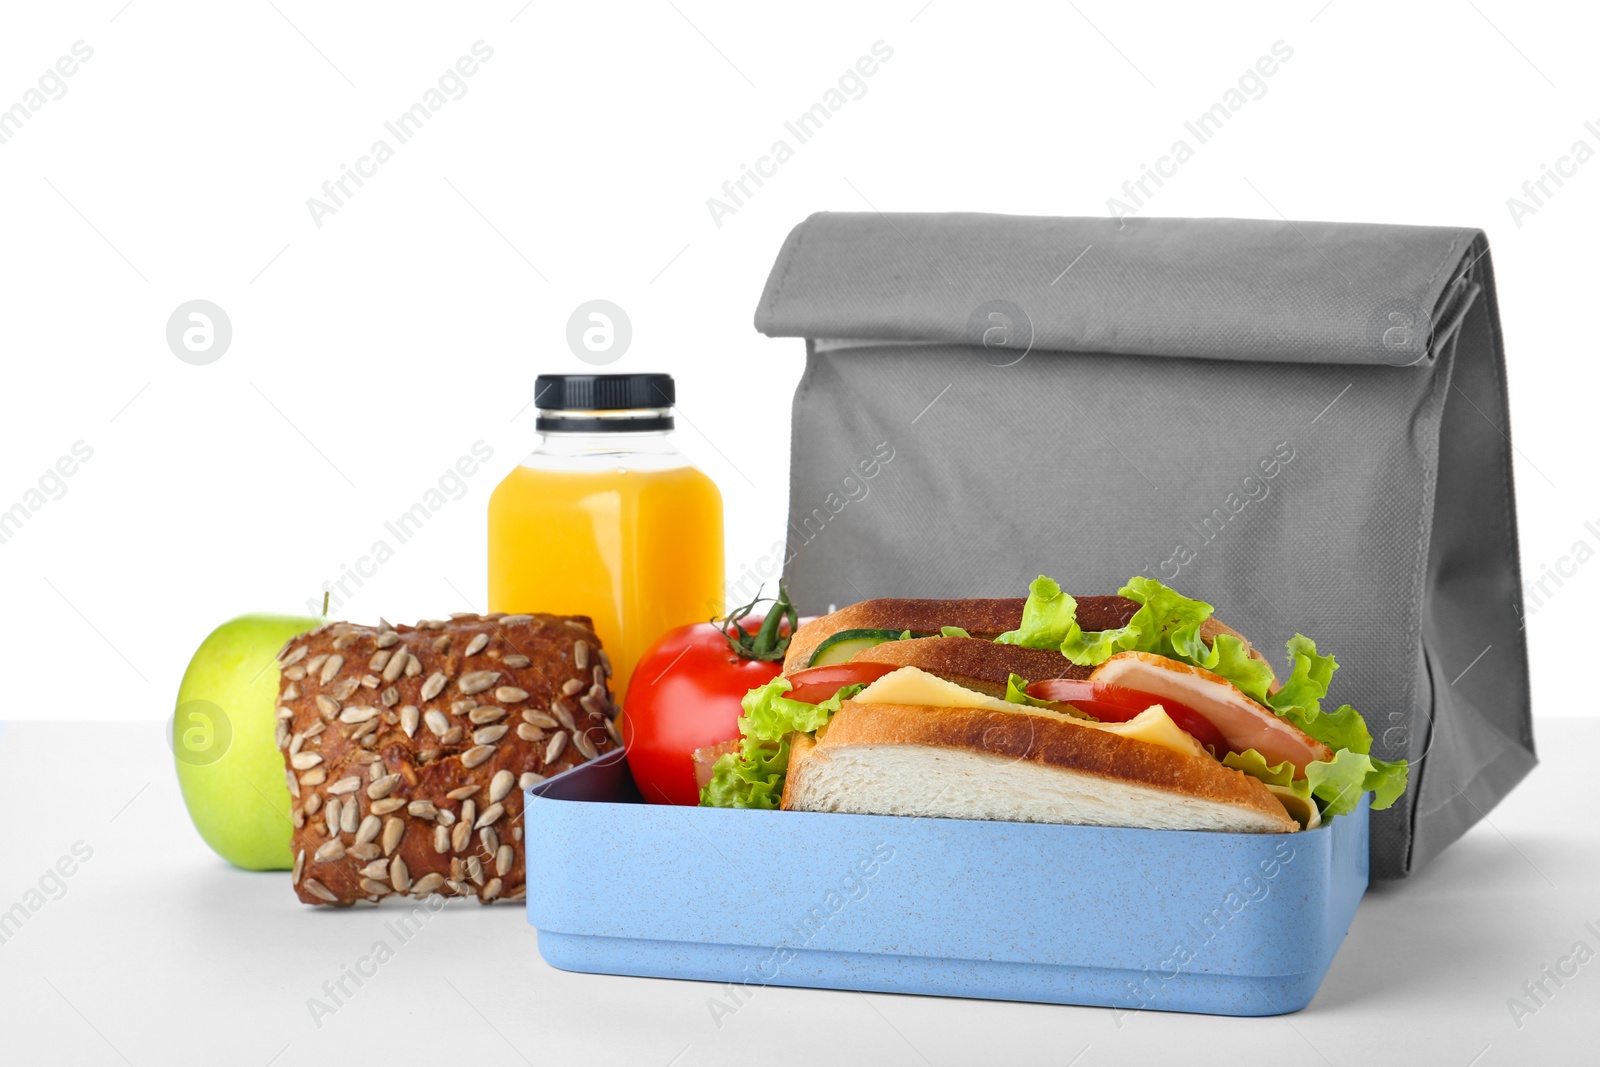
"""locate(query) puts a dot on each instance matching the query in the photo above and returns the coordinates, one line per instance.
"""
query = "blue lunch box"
(1221, 923)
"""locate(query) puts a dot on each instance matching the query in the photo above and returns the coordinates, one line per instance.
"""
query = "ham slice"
(705, 759)
(1245, 723)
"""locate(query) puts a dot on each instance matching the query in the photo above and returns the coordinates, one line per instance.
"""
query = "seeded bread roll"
(407, 748)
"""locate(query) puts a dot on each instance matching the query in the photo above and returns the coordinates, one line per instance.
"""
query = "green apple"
(229, 765)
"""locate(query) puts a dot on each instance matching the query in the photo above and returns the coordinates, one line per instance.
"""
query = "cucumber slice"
(842, 646)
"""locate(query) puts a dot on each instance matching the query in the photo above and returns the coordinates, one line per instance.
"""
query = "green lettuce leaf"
(771, 716)
(1344, 728)
(1254, 764)
(953, 631)
(1309, 676)
(753, 776)
(1338, 783)
(750, 778)
(1050, 620)
(1093, 649)
(1172, 622)
(1231, 658)
(1387, 779)
(1169, 622)
(1047, 617)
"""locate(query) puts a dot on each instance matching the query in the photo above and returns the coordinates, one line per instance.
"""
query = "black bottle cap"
(570, 402)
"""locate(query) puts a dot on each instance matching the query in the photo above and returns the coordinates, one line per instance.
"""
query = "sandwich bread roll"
(407, 748)
(1016, 766)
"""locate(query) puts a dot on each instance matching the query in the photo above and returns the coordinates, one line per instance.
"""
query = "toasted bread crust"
(981, 617)
(1047, 741)
(973, 662)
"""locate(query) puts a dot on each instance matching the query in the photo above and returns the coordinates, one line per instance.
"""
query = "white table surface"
(158, 952)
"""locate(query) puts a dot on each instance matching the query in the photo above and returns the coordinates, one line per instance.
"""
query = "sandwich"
(1139, 709)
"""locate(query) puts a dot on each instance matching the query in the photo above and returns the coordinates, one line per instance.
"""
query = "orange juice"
(607, 519)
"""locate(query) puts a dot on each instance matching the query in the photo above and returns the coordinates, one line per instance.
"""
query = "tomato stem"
(768, 643)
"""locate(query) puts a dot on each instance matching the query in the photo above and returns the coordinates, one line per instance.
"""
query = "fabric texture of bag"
(1304, 424)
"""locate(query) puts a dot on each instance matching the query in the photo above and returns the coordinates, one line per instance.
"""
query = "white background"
(368, 354)
(372, 352)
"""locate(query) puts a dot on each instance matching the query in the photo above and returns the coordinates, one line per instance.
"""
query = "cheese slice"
(1302, 810)
(913, 685)
(1154, 726)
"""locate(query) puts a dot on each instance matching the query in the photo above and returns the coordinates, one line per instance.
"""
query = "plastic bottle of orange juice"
(606, 518)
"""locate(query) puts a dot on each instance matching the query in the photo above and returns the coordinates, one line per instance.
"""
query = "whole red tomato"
(685, 694)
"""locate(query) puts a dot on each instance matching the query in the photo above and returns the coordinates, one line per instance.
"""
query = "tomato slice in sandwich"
(816, 684)
(1115, 703)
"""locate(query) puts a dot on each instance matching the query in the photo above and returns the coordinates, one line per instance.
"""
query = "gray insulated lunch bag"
(1304, 424)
